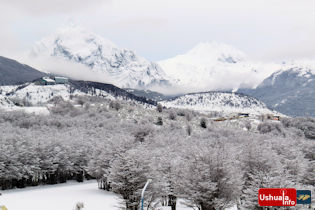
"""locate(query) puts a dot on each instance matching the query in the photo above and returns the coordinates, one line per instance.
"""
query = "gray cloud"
(66, 68)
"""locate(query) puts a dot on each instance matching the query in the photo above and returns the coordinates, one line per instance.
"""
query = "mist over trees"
(210, 167)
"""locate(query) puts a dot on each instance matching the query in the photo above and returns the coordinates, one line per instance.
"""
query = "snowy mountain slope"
(13, 72)
(38, 94)
(291, 90)
(218, 101)
(120, 66)
(102, 88)
(215, 66)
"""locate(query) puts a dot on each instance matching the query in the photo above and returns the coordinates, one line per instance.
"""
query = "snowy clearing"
(63, 197)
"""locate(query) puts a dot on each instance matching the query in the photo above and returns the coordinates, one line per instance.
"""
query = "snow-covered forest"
(211, 165)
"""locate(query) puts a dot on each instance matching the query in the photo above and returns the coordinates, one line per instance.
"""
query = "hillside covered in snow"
(34, 94)
(222, 102)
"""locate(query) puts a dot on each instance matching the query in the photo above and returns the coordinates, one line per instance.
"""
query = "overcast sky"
(160, 29)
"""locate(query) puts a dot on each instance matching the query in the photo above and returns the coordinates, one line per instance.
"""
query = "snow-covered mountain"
(291, 90)
(218, 101)
(106, 61)
(215, 66)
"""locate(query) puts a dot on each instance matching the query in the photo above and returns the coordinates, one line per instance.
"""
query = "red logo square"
(277, 197)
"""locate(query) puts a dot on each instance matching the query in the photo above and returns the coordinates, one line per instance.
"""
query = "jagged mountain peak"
(72, 38)
(120, 66)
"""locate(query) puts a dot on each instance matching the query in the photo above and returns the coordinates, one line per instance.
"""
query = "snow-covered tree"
(210, 178)
(128, 175)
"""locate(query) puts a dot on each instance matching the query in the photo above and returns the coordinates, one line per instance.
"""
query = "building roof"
(47, 79)
(64, 78)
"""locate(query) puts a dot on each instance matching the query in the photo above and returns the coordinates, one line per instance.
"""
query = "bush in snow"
(203, 122)
(80, 100)
(159, 121)
(159, 108)
(101, 109)
(189, 129)
(172, 115)
(142, 132)
(306, 125)
(248, 125)
(189, 115)
(270, 127)
(79, 206)
(181, 112)
(56, 100)
(286, 122)
(65, 108)
(115, 105)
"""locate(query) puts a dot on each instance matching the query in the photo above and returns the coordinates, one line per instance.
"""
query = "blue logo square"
(303, 197)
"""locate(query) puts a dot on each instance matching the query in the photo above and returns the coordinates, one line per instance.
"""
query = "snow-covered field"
(63, 197)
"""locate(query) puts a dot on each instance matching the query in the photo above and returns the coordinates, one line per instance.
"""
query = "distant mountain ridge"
(13, 72)
(290, 91)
